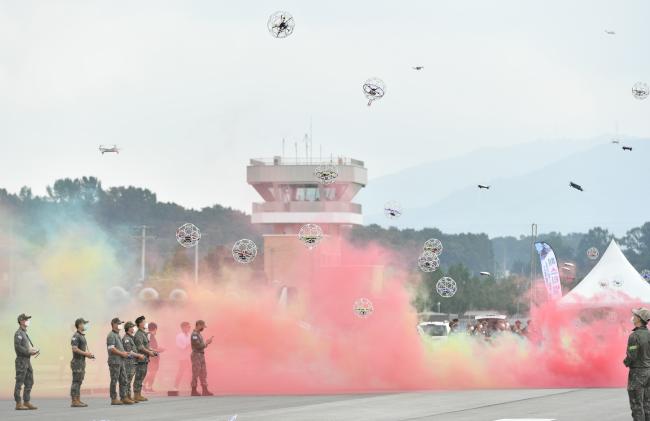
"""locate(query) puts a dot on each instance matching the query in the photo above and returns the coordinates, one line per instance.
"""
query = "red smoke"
(319, 345)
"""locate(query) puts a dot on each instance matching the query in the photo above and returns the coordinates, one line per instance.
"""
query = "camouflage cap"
(642, 313)
(128, 325)
(116, 321)
(23, 317)
(201, 323)
(80, 321)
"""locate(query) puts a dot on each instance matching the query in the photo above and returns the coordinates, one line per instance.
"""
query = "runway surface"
(474, 405)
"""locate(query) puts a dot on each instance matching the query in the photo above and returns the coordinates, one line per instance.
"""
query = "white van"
(434, 330)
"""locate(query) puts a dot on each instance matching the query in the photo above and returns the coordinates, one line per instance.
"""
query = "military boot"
(140, 398)
(75, 403)
(127, 401)
(206, 392)
(28, 405)
(128, 395)
(81, 403)
(195, 392)
(116, 402)
(20, 406)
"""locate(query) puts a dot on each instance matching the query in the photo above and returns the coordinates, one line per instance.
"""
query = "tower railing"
(278, 160)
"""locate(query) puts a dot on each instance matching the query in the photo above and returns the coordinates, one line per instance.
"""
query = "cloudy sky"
(192, 89)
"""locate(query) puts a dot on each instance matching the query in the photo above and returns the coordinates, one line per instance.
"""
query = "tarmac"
(465, 405)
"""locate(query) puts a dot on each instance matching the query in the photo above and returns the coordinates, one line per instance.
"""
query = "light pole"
(196, 264)
(143, 255)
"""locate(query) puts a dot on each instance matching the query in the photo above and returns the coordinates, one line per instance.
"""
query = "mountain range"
(529, 183)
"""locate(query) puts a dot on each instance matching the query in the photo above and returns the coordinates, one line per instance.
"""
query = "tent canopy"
(613, 280)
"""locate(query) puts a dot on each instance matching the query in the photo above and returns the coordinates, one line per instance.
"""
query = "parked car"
(434, 330)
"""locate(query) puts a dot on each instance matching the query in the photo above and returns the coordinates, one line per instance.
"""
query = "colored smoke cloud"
(315, 345)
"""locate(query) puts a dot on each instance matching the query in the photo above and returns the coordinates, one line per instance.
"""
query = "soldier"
(142, 346)
(199, 369)
(116, 356)
(78, 364)
(24, 373)
(131, 363)
(637, 359)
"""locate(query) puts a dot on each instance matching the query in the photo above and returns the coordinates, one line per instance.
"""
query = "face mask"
(86, 327)
(26, 322)
(120, 327)
(146, 326)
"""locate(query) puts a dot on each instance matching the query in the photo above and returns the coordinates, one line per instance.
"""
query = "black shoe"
(195, 392)
(206, 392)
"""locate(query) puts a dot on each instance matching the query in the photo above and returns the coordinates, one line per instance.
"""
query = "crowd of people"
(133, 360)
(490, 327)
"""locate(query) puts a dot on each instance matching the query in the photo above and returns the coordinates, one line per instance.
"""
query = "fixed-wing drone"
(627, 148)
(485, 273)
(610, 32)
(109, 149)
(418, 67)
(484, 186)
(575, 186)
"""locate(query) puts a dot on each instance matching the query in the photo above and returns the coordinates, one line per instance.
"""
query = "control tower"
(293, 196)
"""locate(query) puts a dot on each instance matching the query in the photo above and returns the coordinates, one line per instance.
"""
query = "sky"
(192, 90)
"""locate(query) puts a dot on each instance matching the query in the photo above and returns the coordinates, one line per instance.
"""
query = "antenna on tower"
(306, 148)
(311, 138)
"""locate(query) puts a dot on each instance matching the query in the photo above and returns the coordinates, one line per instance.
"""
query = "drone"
(107, 149)
(616, 141)
(484, 186)
(486, 274)
(575, 186)
(418, 67)
(608, 32)
(280, 24)
(627, 148)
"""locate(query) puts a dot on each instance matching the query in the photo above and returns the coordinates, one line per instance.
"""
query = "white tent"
(613, 280)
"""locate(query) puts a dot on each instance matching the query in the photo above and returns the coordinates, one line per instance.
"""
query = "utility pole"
(143, 257)
(196, 264)
(533, 233)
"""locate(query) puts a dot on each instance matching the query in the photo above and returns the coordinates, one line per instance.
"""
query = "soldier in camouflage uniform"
(131, 363)
(142, 346)
(78, 364)
(199, 369)
(638, 360)
(116, 356)
(24, 373)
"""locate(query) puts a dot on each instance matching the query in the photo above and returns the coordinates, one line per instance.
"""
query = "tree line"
(120, 211)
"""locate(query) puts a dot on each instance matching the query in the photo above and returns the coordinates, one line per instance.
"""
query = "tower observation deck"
(293, 195)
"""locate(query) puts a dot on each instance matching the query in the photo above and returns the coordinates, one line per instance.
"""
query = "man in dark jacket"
(637, 359)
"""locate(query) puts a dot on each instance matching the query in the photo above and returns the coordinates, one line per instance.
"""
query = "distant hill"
(530, 183)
